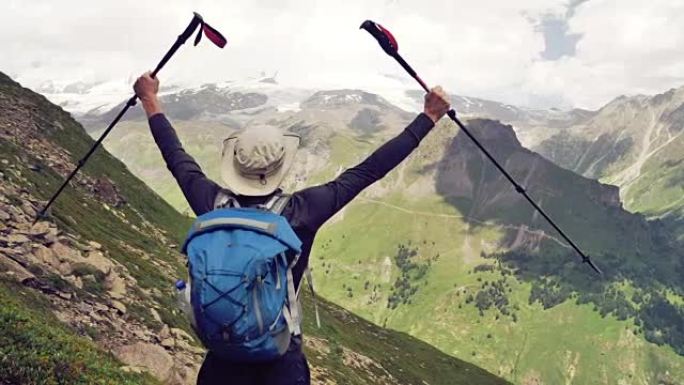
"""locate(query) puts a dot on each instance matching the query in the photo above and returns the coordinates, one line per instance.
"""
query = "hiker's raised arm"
(331, 197)
(199, 190)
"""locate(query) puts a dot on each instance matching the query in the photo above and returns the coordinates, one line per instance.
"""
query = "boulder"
(97, 260)
(65, 253)
(17, 239)
(17, 214)
(15, 269)
(156, 316)
(4, 216)
(51, 236)
(40, 228)
(76, 281)
(94, 245)
(115, 285)
(45, 256)
(119, 306)
(168, 343)
(155, 359)
(65, 268)
(181, 334)
(28, 209)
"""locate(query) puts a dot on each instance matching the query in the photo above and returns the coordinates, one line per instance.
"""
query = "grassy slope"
(36, 349)
(414, 361)
(542, 343)
(660, 188)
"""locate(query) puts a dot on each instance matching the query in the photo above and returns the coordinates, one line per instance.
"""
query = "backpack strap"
(309, 280)
(292, 310)
(225, 199)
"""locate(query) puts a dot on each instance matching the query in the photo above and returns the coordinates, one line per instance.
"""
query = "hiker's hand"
(146, 88)
(436, 104)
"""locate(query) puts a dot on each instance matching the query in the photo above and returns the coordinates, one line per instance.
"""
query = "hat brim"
(239, 184)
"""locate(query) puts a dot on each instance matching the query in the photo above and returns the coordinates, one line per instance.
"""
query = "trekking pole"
(211, 33)
(390, 46)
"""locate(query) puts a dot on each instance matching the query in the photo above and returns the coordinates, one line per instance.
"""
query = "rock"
(28, 209)
(97, 260)
(16, 214)
(76, 281)
(181, 334)
(132, 369)
(115, 285)
(168, 343)
(95, 245)
(90, 279)
(65, 268)
(51, 236)
(164, 332)
(45, 256)
(15, 239)
(17, 271)
(156, 316)
(184, 345)
(139, 334)
(40, 228)
(4, 216)
(119, 306)
(64, 295)
(152, 357)
(66, 253)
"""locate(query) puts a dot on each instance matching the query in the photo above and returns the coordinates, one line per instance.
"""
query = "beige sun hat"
(254, 162)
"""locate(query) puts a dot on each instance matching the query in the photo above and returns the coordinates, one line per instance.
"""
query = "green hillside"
(635, 143)
(91, 287)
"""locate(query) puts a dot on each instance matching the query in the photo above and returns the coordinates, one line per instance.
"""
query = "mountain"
(531, 125)
(445, 250)
(85, 295)
(635, 143)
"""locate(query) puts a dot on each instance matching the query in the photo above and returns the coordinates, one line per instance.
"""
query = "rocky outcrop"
(90, 291)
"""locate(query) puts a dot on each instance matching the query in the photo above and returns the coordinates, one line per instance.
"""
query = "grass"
(36, 349)
(542, 344)
(407, 360)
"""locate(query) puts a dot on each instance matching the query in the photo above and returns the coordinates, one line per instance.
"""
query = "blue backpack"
(242, 293)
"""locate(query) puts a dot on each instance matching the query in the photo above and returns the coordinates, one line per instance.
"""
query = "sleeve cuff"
(156, 118)
(421, 126)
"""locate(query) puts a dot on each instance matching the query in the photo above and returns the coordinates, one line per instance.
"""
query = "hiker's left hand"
(436, 103)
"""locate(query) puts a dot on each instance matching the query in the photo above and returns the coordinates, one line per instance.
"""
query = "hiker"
(254, 163)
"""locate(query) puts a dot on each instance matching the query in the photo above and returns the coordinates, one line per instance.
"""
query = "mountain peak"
(493, 131)
(344, 97)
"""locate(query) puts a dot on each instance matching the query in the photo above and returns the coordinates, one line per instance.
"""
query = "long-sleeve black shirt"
(309, 208)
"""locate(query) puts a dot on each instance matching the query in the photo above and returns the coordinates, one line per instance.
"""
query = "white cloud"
(486, 48)
(627, 47)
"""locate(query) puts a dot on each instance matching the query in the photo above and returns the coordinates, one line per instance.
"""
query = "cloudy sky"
(539, 53)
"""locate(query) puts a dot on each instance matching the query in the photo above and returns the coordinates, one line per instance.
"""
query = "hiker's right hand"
(146, 87)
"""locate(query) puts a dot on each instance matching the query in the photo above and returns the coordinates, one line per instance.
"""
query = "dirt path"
(520, 228)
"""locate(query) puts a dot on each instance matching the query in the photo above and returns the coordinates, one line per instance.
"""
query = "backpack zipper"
(257, 305)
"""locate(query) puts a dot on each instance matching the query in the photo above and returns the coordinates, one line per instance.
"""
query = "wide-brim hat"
(255, 161)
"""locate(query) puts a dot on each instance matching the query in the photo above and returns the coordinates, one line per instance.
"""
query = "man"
(253, 166)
